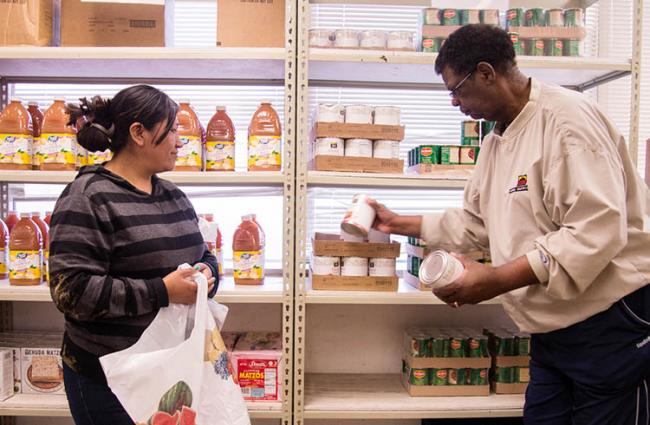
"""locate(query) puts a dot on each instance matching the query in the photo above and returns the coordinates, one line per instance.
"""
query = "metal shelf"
(347, 396)
(147, 63)
(228, 293)
(178, 177)
(441, 180)
(57, 405)
(405, 295)
(368, 67)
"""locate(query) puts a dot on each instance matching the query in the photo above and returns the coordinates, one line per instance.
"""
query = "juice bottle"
(25, 253)
(37, 123)
(11, 220)
(265, 140)
(45, 233)
(189, 131)
(218, 245)
(262, 237)
(4, 250)
(16, 143)
(248, 264)
(58, 149)
(220, 142)
(48, 217)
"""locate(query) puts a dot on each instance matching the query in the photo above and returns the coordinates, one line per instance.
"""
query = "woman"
(118, 234)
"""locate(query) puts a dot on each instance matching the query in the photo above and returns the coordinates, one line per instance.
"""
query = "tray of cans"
(510, 351)
(445, 362)
(541, 32)
(438, 23)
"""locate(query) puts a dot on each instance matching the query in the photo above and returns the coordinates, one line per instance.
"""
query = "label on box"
(258, 379)
(15, 149)
(189, 154)
(42, 371)
(220, 156)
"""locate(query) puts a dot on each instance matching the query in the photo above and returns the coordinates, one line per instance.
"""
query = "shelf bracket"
(607, 78)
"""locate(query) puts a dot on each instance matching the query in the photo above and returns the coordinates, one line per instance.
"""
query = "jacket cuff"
(427, 228)
(537, 264)
(160, 292)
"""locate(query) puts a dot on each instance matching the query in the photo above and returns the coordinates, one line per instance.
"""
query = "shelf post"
(635, 95)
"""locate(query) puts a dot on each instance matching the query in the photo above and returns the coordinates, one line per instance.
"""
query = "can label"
(189, 154)
(522, 375)
(556, 47)
(515, 17)
(456, 347)
(419, 377)
(572, 48)
(504, 375)
(432, 16)
(537, 47)
(469, 154)
(428, 154)
(220, 155)
(535, 17)
(523, 346)
(25, 265)
(439, 377)
(490, 16)
(264, 151)
(420, 346)
(470, 16)
(248, 265)
(486, 127)
(555, 18)
(439, 348)
(15, 149)
(450, 17)
(431, 44)
(516, 44)
(449, 155)
(574, 18)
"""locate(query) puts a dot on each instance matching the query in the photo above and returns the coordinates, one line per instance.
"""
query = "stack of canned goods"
(453, 17)
(506, 344)
(443, 154)
(348, 38)
(445, 343)
(353, 266)
(538, 17)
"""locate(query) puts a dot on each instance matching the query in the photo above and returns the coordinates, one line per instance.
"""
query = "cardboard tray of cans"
(355, 283)
(357, 164)
(570, 33)
(330, 245)
(358, 131)
(445, 390)
(511, 361)
(501, 388)
(449, 170)
(447, 362)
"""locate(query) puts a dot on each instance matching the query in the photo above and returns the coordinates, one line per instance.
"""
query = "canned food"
(572, 47)
(386, 115)
(473, 376)
(449, 155)
(413, 265)
(457, 347)
(439, 269)
(477, 347)
(504, 375)
(358, 114)
(537, 47)
(505, 345)
(521, 375)
(555, 18)
(439, 347)
(524, 45)
(555, 47)
(329, 113)
(319, 37)
(400, 40)
(535, 17)
(431, 16)
(450, 17)
(469, 154)
(456, 376)
(354, 266)
(522, 344)
(428, 154)
(385, 149)
(486, 127)
(346, 38)
(439, 377)
(358, 147)
(381, 267)
(419, 377)
(420, 345)
(329, 146)
(326, 266)
(515, 18)
(574, 17)
(514, 38)
(490, 16)
(373, 39)
(359, 218)
(470, 16)
(431, 44)
(470, 132)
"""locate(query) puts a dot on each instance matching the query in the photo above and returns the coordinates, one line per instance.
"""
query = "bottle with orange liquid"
(16, 143)
(189, 131)
(218, 245)
(37, 123)
(248, 262)
(48, 217)
(265, 140)
(58, 149)
(220, 142)
(11, 220)
(262, 237)
(4, 250)
(25, 253)
(45, 233)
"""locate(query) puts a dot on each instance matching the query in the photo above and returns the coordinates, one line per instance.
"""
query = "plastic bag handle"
(201, 308)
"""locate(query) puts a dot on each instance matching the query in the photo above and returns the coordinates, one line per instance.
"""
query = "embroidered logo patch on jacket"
(522, 184)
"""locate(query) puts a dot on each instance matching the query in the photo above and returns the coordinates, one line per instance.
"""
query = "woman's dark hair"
(104, 123)
(475, 43)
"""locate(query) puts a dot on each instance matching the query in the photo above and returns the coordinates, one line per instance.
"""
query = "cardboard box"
(355, 283)
(26, 23)
(445, 390)
(330, 245)
(6, 374)
(448, 362)
(512, 361)
(358, 131)
(250, 23)
(501, 388)
(443, 171)
(566, 33)
(41, 371)
(112, 24)
(356, 164)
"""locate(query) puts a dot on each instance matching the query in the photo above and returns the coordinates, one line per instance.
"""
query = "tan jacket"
(559, 187)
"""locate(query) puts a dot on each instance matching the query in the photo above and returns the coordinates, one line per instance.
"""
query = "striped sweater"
(110, 246)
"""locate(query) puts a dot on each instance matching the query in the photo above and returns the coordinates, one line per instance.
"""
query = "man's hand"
(389, 222)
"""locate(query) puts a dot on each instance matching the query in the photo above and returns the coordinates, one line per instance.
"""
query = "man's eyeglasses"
(454, 92)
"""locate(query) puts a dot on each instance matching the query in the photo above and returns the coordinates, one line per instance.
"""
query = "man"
(558, 203)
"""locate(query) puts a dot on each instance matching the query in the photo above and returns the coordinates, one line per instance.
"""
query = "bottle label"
(219, 256)
(15, 149)
(96, 158)
(57, 148)
(25, 264)
(264, 151)
(248, 265)
(36, 159)
(189, 154)
(82, 156)
(220, 156)
(4, 260)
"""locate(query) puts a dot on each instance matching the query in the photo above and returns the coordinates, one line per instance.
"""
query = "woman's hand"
(181, 288)
(207, 272)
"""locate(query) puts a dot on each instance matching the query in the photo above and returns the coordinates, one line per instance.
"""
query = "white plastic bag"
(168, 378)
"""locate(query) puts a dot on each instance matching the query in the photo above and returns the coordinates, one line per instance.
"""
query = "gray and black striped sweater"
(110, 246)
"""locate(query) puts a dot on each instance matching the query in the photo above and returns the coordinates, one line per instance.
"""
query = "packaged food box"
(256, 362)
(6, 374)
(41, 370)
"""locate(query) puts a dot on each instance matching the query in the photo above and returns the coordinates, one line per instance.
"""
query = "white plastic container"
(354, 266)
(358, 114)
(326, 266)
(388, 149)
(346, 38)
(402, 40)
(387, 115)
(329, 146)
(373, 39)
(358, 147)
(439, 269)
(359, 217)
(319, 37)
(329, 112)
(381, 267)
